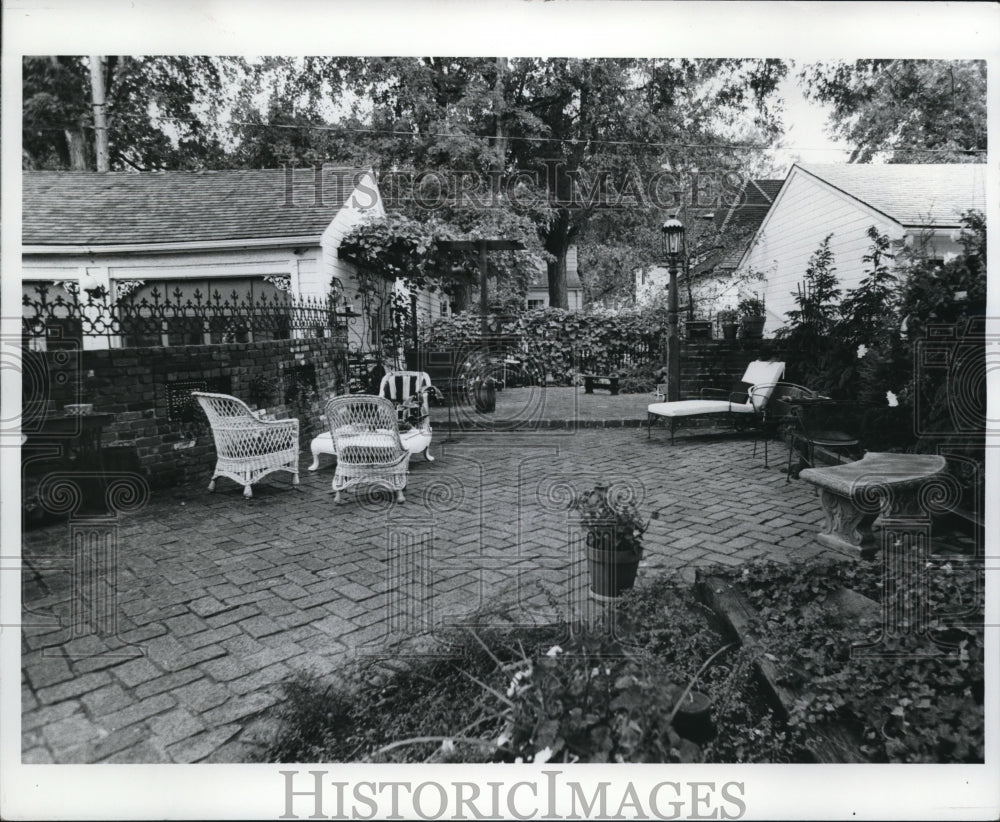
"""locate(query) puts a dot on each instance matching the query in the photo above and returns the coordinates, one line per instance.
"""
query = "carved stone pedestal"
(854, 495)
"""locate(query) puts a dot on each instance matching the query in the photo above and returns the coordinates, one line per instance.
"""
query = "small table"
(68, 444)
(855, 494)
(79, 434)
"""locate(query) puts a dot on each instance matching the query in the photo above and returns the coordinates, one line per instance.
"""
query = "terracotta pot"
(485, 394)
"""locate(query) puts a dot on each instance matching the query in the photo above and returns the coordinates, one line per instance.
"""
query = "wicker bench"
(608, 381)
(855, 494)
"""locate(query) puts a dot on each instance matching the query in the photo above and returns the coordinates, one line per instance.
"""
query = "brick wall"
(719, 363)
(173, 444)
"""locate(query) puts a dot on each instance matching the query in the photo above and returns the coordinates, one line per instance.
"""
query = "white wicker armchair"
(366, 441)
(248, 448)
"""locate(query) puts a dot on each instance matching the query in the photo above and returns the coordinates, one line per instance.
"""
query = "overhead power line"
(560, 140)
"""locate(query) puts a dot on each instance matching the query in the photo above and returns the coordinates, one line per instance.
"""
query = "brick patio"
(220, 599)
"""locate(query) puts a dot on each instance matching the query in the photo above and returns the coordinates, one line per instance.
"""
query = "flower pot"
(693, 720)
(612, 571)
(729, 331)
(485, 395)
(752, 328)
(698, 329)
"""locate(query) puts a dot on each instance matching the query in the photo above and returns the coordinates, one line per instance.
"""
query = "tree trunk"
(100, 118)
(557, 242)
(558, 294)
(77, 149)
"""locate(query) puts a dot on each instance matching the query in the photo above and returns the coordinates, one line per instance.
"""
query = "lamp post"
(672, 238)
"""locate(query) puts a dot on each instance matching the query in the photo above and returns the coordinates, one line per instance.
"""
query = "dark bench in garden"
(592, 381)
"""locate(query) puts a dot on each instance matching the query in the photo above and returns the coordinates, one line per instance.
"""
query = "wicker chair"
(366, 441)
(248, 448)
(409, 391)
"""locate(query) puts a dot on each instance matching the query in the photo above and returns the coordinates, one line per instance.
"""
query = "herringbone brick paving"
(220, 599)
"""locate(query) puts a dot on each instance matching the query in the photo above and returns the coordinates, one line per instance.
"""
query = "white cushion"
(762, 372)
(689, 408)
(372, 439)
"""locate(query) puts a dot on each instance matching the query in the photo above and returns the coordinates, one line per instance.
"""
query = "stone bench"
(592, 381)
(855, 494)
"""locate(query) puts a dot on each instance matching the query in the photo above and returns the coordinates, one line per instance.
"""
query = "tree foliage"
(547, 135)
(566, 125)
(163, 112)
(912, 111)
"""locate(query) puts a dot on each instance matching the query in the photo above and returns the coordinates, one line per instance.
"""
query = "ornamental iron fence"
(61, 315)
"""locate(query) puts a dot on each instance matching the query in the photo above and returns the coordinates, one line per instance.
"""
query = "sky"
(805, 134)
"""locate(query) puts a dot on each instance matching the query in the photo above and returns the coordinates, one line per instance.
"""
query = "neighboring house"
(917, 206)
(255, 232)
(538, 290)
(717, 250)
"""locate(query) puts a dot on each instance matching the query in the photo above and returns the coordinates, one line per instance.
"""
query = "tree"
(913, 111)
(868, 311)
(163, 112)
(809, 335)
(557, 141)
(582, 135)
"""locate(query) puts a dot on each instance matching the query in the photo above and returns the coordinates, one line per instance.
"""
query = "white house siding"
(574, 297)
(807, 211)
(347, 218)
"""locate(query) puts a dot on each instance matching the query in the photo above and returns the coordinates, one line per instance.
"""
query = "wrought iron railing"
(60, 314)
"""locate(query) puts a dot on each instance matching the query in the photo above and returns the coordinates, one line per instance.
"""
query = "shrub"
(562, 344)
(915, 698)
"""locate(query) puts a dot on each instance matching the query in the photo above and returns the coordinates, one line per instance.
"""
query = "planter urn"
(752, 328)
(693, 720)
(698, 329)
(612, 568)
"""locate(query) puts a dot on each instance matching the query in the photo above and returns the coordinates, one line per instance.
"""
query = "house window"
(48, 324)
(536, 304)
(203, 311)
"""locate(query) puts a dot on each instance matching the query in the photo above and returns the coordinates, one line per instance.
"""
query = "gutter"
(188, 245)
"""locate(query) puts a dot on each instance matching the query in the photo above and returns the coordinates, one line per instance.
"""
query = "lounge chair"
(741, 408)
(409, 392)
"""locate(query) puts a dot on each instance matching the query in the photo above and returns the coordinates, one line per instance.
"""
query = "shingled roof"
(121, 208)
(933, 195)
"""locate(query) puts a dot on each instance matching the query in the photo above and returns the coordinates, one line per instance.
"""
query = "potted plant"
(752, 318)
(698, 329)
(728, 321)
(614, 532)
